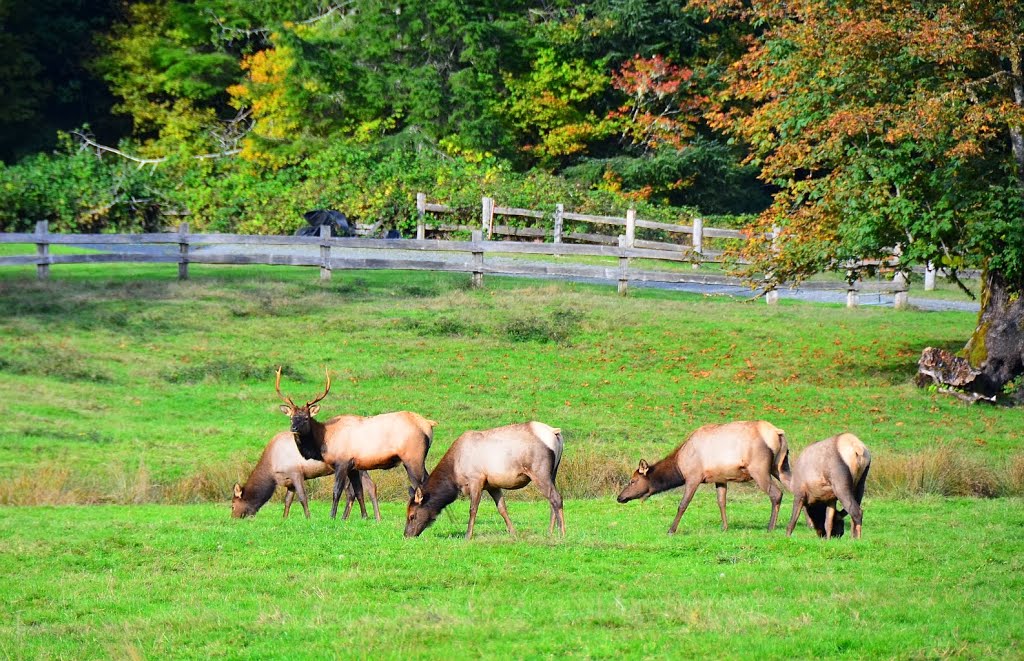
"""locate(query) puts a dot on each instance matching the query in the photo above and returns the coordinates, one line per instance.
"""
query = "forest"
(857, 127)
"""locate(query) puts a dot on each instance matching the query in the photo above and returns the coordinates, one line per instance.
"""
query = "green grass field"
(147, 398)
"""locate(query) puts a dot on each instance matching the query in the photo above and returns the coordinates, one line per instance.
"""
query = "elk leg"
(830, 513)
(721, 487)
(852, 504)
(765, 483)
(288, 495)
(547, 487)
(475, 491)
(798, 504)
(355, 483)
(300, 491)
(691, 488)
(370, 488)
(340, 479)
(499, 500)
(417, 473)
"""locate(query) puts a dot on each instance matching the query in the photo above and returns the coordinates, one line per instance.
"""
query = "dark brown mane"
(665, 475)
(260, 485)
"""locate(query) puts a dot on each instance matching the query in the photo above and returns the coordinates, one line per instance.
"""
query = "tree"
(892, 124)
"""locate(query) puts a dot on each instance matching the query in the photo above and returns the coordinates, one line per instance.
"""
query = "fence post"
(478, 259)
(421, 216)
(698, 241)
(623, 265)
(900, 301)
(43, 249)
(183, 251)
(929, 277)
(852, 290)
(630, 227)
(487, 207)
(325, 252)
(559, 210)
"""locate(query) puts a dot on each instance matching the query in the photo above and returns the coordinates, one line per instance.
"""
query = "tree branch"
(87, 141)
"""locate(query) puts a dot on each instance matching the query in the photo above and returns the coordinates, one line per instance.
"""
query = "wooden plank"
(255, 258)
(250, 240)
(113, 239)
(113, 258)
(593, 238)
(437, 208)
(668, 227)
(17, 237)
(508, 230)
(684, 277)
(600, 220)
(512, 211)
(399, 264)
(560, 270)
(19, 260)
(723, 234)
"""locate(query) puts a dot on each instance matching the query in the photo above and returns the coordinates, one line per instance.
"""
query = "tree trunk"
(997, 345)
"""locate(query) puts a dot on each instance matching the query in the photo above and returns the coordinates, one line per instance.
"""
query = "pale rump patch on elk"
(835, 469)
(717, 454)
(281, 465)
(507, 457)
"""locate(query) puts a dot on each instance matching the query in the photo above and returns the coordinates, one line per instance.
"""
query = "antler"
(326, 390)
(277, 387)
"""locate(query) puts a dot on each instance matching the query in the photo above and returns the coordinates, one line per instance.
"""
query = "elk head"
(301, 416)
(816, 513)
(418, 515)
(639, 484)
(239, 507)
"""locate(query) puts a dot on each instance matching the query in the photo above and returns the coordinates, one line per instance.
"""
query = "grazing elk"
(282, 465)
(351, 443)
(507, 457)
(718, 454)
(827, 471)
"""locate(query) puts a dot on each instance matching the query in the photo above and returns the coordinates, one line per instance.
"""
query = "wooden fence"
(339, 253)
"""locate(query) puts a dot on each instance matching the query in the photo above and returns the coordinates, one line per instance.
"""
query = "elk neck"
(665, 474)
(310, 443)
(260, 486)
(441, 488)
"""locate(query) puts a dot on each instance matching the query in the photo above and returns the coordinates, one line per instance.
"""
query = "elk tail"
(558, 456)
(782, 467)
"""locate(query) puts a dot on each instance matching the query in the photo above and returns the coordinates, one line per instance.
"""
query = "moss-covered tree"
(893, 123)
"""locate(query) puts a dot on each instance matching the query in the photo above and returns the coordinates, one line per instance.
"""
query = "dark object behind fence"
(336, 220)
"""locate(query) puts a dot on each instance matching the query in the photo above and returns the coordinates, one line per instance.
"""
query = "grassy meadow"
(145, 398)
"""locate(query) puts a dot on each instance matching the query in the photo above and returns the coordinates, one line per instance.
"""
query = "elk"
(282, 465)
(351, 443)
(827, 471)
(507, 457)
(718, 454)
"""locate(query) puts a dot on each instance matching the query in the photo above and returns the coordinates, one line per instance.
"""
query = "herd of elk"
(513, 456)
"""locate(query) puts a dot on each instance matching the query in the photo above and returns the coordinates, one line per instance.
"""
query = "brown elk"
(718, 454)
(282, 465)
(351, 443)
(507, 457)
(827, 471)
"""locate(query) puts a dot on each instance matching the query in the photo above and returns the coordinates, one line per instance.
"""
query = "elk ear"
(238, 490)
(417, 496)
(287, 410)
(643, 468)
(313, 410)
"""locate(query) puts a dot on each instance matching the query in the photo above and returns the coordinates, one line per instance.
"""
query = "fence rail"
(335, 253)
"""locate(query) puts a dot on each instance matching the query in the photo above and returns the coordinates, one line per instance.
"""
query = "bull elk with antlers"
(351, 443)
